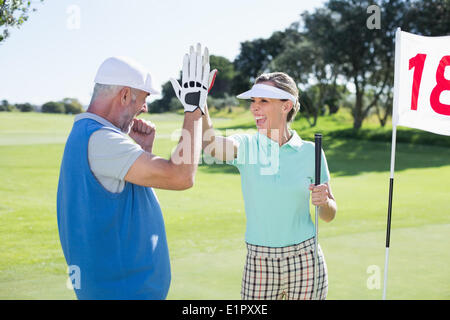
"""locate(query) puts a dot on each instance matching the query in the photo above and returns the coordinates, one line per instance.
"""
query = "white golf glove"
(196, 80)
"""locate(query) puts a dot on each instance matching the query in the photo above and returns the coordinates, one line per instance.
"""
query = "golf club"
(318, 153)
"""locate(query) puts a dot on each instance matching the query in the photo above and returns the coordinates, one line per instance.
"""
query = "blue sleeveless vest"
(114, 242)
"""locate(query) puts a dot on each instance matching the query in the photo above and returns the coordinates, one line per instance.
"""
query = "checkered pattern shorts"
(283, 273)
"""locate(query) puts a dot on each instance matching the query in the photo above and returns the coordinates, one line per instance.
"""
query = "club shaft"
(318, 158)
(316, 250)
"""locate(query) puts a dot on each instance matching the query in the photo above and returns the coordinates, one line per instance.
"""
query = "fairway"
(206, 224)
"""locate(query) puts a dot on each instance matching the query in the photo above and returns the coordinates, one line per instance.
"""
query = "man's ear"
(125, 95)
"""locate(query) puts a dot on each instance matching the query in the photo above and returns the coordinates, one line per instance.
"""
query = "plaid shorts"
(283, 273)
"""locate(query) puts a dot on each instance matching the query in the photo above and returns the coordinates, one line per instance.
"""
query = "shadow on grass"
(352, 157)
(404, 135)
(347, 157)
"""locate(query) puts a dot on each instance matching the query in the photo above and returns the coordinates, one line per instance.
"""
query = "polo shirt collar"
(294, 142)
(93, 116)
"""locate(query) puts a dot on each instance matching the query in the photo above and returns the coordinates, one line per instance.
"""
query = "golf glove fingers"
(195, 80)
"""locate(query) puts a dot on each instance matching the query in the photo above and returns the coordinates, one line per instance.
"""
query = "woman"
(277, 175)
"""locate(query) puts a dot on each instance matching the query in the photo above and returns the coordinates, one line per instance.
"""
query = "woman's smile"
(260, 121)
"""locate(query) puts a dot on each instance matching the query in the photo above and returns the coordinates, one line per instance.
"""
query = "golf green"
(206, 224)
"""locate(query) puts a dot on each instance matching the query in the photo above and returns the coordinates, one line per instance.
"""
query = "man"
(109, 219)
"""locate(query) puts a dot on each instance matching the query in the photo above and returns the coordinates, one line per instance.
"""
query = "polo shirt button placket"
(270, 153)
(277, 175)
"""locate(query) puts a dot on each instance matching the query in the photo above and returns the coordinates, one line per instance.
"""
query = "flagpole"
(394, 142)
(388, 228)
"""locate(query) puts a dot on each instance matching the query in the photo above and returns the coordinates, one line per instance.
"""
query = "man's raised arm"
(178, 172)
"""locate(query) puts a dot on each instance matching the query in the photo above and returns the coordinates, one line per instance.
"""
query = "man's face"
(133, 109)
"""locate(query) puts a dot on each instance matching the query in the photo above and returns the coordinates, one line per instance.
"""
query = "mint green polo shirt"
(275, 183)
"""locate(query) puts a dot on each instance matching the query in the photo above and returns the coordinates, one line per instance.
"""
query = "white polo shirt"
(110, 154)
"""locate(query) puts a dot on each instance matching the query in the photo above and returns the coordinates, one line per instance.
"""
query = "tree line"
(66, 105)
(334, 55)
(337, 55)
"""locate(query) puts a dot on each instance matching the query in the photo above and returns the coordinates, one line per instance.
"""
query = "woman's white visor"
(266, 91)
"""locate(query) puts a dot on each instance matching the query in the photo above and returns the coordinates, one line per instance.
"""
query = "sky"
(56, 53)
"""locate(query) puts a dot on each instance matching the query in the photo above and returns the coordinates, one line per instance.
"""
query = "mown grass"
(206, 224)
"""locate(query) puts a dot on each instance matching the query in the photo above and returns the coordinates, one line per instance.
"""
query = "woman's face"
(269, 113)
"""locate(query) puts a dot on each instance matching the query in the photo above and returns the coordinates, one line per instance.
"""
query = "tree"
(224, 78)
(363, 56)
(53, 107)
(24, 107)
(165, 103)
(256, 55)
(424, 17)
(220, 103)
(13, 13)
(303, 61)
(430, 17)
(5, 106)
(297, 60)
(72, 106)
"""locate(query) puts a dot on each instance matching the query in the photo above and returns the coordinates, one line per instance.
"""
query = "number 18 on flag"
(422, 82)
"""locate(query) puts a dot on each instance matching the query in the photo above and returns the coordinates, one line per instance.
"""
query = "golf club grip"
(318, 147)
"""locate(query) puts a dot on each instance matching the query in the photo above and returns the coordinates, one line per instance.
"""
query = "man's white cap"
(266, 91)
(121, 71)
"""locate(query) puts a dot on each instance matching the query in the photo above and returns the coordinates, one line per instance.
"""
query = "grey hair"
(284, 82)
(109, 91)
